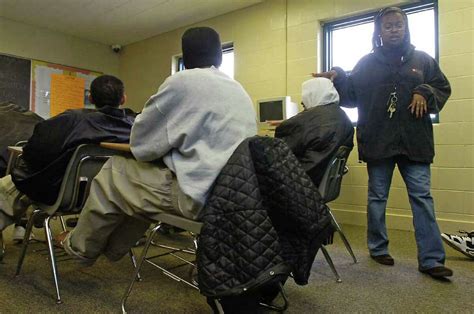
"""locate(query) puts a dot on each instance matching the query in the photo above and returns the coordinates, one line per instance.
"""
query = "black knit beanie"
(201, 48)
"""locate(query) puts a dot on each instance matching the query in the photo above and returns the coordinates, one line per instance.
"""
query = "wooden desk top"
(15, 149)
(124, 147)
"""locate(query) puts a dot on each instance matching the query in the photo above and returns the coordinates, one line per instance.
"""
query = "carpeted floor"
(367, 287)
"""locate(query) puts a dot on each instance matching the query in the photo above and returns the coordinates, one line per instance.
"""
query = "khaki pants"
(124, 199)
(13, 203)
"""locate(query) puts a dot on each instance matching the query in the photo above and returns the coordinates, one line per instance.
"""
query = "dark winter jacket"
(45, 157)
(262, 219)
(368, 88)
(315, 135)
(15, 126)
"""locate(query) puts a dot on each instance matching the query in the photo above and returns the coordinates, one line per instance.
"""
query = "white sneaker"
(19, 234)
(463, 244)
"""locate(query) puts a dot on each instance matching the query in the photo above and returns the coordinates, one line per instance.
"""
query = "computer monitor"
(278, 108)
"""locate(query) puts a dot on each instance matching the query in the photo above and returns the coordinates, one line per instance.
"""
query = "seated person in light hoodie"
(315, 134)
(180, 142)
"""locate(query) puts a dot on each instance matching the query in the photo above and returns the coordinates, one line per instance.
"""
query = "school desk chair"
(330, 188)
(83, 166)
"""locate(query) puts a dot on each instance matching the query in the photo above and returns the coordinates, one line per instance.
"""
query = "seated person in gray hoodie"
(182, 139)
(315, 134)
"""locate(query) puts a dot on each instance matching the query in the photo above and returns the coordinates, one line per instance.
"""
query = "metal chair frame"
(330, 188)
(2, 247)
(84, 165)
(194, 227)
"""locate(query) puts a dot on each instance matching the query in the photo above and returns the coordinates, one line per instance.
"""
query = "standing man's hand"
(418, 106)
(329, 75)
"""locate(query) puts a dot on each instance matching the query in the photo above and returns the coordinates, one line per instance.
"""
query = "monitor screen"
(271, 110)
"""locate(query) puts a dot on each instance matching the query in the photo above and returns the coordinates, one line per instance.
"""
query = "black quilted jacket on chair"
(263, 219)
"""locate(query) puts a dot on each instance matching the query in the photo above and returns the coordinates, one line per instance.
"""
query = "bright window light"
(350, 44)
(227, 65)
(422, 31)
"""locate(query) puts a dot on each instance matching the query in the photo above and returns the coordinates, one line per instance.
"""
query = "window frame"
(330, 26)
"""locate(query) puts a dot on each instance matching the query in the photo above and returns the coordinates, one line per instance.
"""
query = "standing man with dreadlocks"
(395, 88)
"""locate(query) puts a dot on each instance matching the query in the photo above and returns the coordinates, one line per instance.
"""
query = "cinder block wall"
(43, 44)
(259, 37)
(453, 170)
(277, 44)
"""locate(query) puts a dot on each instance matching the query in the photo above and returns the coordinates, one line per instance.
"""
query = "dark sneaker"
(141, 241)
(437, 272)
(72, 222)
(38, 220)
(168, 229)
(462, 243)
(384, 259)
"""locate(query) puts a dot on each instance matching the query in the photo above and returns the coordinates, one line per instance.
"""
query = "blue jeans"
(416, 176)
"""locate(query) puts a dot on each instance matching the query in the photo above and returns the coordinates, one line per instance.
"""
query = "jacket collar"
(405, 55)
(112, 111)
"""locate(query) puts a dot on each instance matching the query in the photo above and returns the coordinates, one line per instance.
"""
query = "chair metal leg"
(63, 224)
(348, 246)
(134, 263)
(137, 269)
(343, 237)
(278, 308)
(49, 239)
(2, 246)
(193, 269)
(26, 241)
(331, 264)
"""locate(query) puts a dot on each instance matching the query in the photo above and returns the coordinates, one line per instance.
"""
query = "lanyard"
(393, 97)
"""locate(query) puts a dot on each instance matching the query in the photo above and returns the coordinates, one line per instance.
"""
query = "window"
(227, 65)
(347, 40)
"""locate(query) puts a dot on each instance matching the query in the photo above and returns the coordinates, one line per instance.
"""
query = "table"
(124, 147)
(15, 151)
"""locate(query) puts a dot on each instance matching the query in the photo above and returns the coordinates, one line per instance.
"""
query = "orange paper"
(67, 92)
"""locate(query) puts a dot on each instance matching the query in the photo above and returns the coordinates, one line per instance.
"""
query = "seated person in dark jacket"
(10, 106)
(315, 134)
(40, 170)
(16, 124)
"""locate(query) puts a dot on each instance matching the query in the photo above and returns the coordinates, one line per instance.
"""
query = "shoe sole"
(19, 240)
(455, 247)
(444, 275)
(381, 263)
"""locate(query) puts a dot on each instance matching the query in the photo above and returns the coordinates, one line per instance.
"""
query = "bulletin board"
(56, 88)
(15, 75)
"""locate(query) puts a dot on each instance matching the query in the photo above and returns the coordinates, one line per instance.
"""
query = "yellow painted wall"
(259, 37)
(276, 47)
(32, 42)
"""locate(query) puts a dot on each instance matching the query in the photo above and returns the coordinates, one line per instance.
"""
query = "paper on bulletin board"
(42, 72)
(67, 92)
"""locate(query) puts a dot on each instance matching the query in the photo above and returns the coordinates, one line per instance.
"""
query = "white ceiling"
(116, 21)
